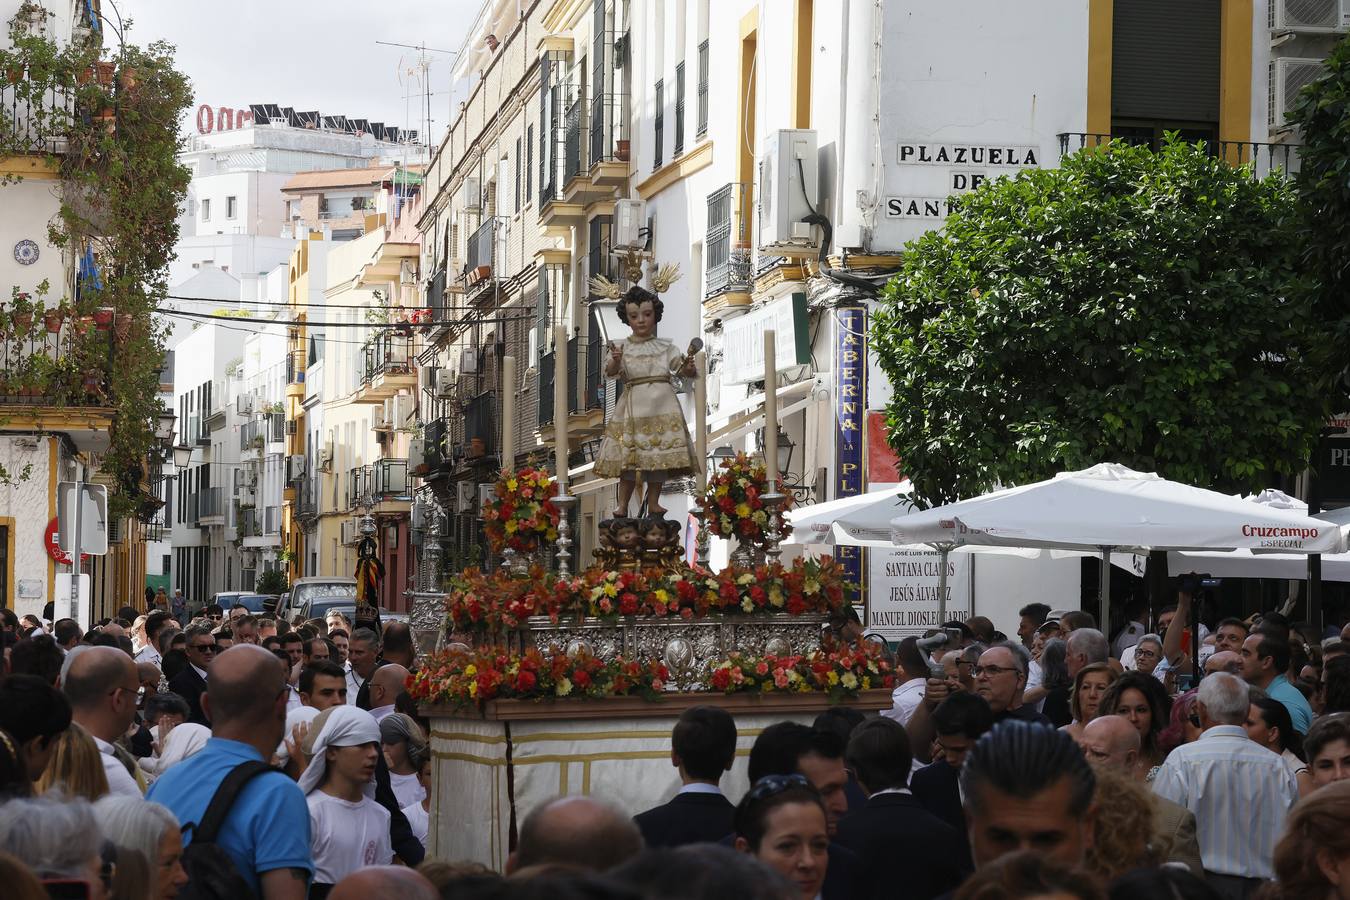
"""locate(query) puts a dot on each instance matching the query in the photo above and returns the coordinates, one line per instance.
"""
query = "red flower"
(581, 678)
(628, 603)
(525, 680)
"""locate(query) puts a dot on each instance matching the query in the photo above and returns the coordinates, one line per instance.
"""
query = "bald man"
(266, 833)
(102, 685)
(575, 831)
(1224, 661)
(384, 881)
(1111, 742)
(385, 685)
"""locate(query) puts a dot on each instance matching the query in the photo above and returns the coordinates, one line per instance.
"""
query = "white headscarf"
(298, 716)
(183, 741)
(338, 726)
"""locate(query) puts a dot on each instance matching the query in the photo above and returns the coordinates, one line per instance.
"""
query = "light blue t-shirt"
(1299, 710)
(268, 826)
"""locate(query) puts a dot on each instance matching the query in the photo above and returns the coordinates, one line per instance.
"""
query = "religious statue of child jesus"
(647, 437)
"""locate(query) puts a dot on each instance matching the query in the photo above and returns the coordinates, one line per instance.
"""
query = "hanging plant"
(52, 319)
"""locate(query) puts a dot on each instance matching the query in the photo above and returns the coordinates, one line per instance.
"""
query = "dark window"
(517, 184)
(703, 88)
(1165, 68)
(529, 161)
(679, 108)
(660, 122)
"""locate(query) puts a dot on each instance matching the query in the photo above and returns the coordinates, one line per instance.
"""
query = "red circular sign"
(49, 540)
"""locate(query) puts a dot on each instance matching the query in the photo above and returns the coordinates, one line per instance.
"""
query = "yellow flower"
(510, 484)
(811, 586)
(551, 534)
(759, 517)
(748, 605)
(470, 670)
(510, 526)
(833, 678)
(776, 595)
(473, 688)
(564, 687)
(721, 491)
(742, 509)
(661, 595)
(867, 684)
(611, 589)
(746, 578)
(849, 680)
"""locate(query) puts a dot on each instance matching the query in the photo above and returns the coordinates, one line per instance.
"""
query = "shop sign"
(850, 372)
(902, 591)
(743, 339)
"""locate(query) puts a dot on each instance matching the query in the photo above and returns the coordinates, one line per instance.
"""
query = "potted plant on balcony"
(52, 319)
(103, 317)
(105, 70)
(21, 312)
(92, 382)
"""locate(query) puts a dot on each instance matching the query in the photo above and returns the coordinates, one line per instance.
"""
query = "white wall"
(28, 501)
(27, 208)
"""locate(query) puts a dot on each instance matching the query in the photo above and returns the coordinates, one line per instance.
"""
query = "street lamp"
(165, 430)
(182, 456)
(719, 456)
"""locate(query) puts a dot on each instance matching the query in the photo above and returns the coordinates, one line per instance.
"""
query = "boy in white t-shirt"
(419, 814)
(348, 829)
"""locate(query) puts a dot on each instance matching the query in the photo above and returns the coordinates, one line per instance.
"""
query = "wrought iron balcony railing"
(389, 479)
(1264, 159)
(388, 353)
(729, 216)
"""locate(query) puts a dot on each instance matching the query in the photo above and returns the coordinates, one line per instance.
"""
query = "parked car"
(305, 589)
(257, 604)
(320, 607)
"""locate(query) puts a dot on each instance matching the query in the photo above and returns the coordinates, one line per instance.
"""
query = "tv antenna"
(421, 70)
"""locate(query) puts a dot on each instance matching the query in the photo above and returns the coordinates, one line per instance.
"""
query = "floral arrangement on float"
(467, 678)
(498, 601)
(840, 671)
(733, 505)
(463, 678)
(521, 514)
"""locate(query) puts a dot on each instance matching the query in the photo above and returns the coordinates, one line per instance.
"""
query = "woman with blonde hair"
(1123, 827)
(1089, 686)
(76, 767)
(1312, 860)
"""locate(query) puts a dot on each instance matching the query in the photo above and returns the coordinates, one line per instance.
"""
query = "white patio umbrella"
(1110, 507)
(863, 520)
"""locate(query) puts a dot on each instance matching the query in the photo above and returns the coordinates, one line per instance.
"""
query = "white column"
(771, 407)
(560, 404)
(508, 453)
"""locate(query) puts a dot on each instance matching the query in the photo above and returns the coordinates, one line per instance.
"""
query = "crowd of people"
(234, 756)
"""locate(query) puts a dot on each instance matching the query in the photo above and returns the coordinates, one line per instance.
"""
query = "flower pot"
(108, 119)
(128, 79)
(477, 448)
(93, 383)
(84, 76)
(23, 320)
(621, 152)
(105, 70)
(103, 317)
(52, 321)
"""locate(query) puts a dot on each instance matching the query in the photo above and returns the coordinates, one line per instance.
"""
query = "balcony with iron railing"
(50, 361)
(548, 363)
(192, 511)
(480, 425)
(389, 486)
(251, 438)
(436, 299)
(1262, 158)
(435, 449)
(482, 265)
(727, 254)
(212, 506)
(35, 117)
(386, 366)
(358, 487)
(250, 522)
(306, 499)
(273, 428)
(594, 396)
(609, 143)
(573, 146)
(296, 363)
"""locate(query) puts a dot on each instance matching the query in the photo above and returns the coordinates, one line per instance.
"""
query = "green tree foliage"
(1322, 115)
(1130, 306)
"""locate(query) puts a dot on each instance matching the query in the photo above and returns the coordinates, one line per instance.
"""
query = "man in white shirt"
(913, 674)
(385, 686)
(102, 686)
(1239, 791)
(154, 624)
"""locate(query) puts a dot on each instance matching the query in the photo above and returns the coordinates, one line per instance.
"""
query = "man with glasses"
(214, 613)
(103, 687)
(190, 683)
(1001, 677)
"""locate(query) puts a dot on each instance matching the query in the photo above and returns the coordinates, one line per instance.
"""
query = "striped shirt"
(1240, 793)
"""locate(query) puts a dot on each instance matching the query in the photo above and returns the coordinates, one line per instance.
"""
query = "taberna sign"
(850, 373)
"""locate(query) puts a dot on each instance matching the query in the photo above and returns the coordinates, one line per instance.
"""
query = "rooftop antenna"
(422, 70)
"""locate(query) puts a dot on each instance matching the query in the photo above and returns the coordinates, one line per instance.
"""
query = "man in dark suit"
(906, 851)
(959, 721)
(703, 747)
(190, 683)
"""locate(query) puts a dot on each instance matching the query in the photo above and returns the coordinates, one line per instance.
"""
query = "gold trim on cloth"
(653, 379)
(647, 444)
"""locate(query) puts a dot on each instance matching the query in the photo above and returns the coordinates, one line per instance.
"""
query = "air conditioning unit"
(244, 405)
(292, 427)
(1311, 16)
(379, 417)
(426, 378)
(468, 361)
(295, 467)
(401, 412)
(787, 191)
(630, 220)
(470, 195)
(1288, 76)
(485, 493)
(464, 492)
(445, 383)
(417, 455)
(326, 457)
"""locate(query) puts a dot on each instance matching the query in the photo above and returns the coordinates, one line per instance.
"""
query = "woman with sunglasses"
(1143, 700)
(781, 822)
(1270, 725)
(1089, 686)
